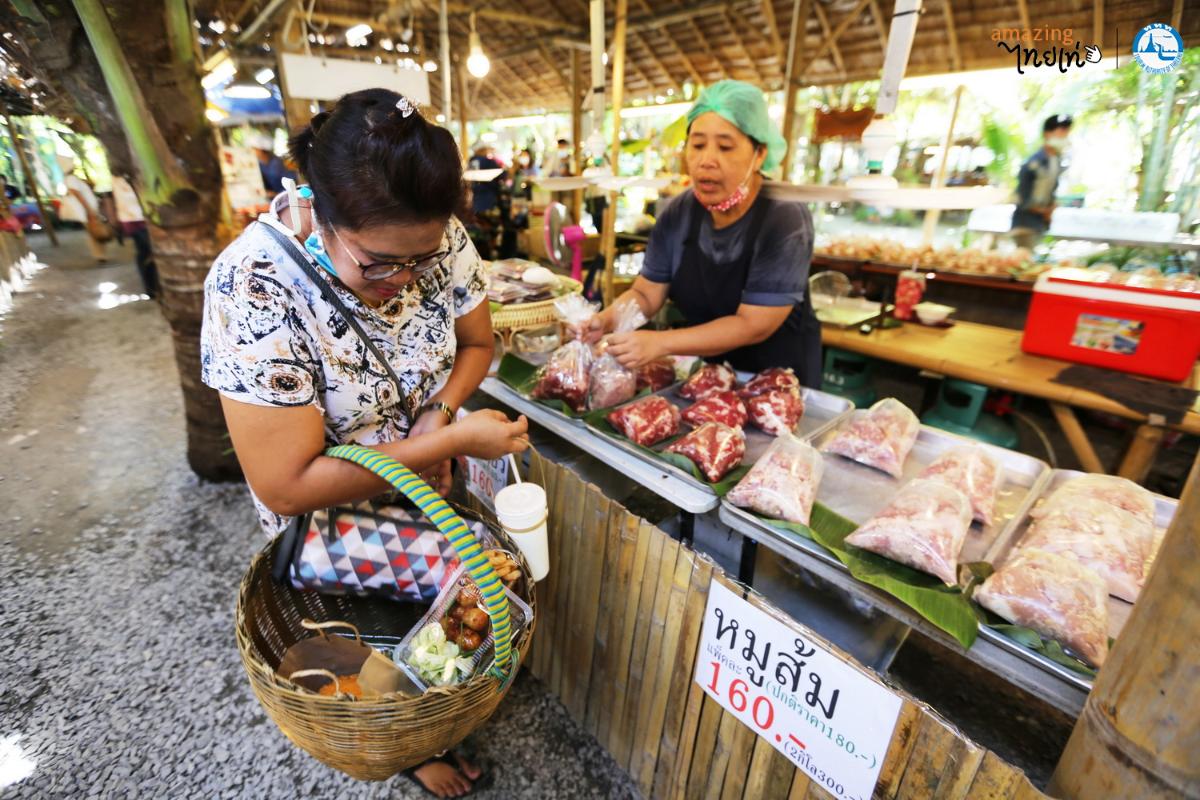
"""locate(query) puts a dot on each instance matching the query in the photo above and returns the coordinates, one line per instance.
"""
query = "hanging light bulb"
(430, 65)
(477, 63)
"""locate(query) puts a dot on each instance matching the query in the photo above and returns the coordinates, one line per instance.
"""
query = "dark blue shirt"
(273, 172)
(782, 254)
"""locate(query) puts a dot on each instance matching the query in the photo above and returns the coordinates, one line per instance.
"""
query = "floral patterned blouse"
(271, 339)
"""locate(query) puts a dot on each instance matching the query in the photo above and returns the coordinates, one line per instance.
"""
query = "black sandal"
(482, 782)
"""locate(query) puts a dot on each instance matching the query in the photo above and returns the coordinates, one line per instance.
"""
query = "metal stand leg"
(746, 563)
(687, 527)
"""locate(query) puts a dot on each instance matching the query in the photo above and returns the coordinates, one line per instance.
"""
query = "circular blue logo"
(1158, 48)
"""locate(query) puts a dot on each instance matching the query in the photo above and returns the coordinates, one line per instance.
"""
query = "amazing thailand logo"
(1158, 48)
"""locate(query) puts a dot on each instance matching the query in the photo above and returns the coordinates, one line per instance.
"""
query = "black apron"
(704, 290)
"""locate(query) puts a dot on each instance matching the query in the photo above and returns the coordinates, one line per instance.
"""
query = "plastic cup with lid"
(522, 510)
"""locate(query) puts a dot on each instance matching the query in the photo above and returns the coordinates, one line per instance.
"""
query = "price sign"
(824, 714)
(485, 478)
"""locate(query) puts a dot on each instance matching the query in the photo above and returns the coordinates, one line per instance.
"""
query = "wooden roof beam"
(952, 35)
(544, 49)
(831, 36)
(500, 15)
(691, 23)
(768, 7)
(881, 29)
(1023, 7)
(682, 15)
(1098, 22)
(741, 42)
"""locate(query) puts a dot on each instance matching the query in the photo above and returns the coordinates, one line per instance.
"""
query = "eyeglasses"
(382, 270)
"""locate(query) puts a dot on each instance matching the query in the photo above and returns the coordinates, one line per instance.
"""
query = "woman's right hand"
(489, 434)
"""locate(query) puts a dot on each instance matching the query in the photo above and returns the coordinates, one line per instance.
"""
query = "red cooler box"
(1150, 332)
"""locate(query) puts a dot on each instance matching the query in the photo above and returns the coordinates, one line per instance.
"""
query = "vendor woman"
(355, 312)
(732, 260)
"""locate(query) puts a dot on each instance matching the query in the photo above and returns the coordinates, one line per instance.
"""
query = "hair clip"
(406, 107)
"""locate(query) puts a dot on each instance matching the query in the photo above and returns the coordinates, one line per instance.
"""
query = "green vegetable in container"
(436, 659)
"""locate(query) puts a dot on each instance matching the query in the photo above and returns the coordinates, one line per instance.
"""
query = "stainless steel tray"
(821, 412)
(859, 492)
(1118, 610)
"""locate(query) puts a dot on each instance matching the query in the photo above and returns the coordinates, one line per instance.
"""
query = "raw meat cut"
(656, 375)
(783, 483)
(880, 437)
(565, 375)
(646, 421)
(1119, 492)
(1055, 596)
(609, 383)
(777, 411)
(713, 447)
(924, 527)
(723, 407)
(971, 469)
(709, 378)
(1106, 539)
(768, 379)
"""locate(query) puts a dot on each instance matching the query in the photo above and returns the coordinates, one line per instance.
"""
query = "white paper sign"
(485, 478)
(320, 78)
(827, 716)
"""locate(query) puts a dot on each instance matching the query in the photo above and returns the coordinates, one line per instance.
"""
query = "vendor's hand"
(595, 328)
(438, 476)
(637, 348)
(489, 434)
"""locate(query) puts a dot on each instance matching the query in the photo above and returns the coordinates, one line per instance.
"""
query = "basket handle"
(312, 673)
(323, 626)
(456, 532)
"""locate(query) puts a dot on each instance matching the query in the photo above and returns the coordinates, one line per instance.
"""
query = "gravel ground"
(119, 673)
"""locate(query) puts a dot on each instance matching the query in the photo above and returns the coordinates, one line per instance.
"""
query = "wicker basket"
(372, 738)
(524, 316)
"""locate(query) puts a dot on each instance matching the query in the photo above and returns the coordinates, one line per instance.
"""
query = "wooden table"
(992, 356)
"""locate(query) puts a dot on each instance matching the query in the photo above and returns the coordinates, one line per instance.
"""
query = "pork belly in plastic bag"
(713, 447)
(609, 382)
(565, 375)
(783, 483)
(1108, 540)
(777, 411)
(924, 527)
(971, 469)
(709, 378)
(769, 380)
(1054, 595)
(723, 407)
(1120, 492)
(646, 421)
(658, 374)
(881, 436)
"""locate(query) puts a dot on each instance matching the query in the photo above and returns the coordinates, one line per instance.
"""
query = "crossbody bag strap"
(327, 291)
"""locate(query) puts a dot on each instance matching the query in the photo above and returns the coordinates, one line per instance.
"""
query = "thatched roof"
(671, 43)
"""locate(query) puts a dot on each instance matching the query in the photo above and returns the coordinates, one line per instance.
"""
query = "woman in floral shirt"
(377, 223)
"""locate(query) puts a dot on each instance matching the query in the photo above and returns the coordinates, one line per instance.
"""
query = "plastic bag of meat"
(709, 378)
(783, 483)
(723, 407)
(1055, 596)
(777, 411)
(880, 437)
(768, 380)
(924, 527)
(656, 375)
(646, 421)
(971, 469)
(565, 375)
(713, 447)
(1119, 492)
(1108, 540)
(609, 382)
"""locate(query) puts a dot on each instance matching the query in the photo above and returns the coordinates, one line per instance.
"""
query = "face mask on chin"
(739, 194)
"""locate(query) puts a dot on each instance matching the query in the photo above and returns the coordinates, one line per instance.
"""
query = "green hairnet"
(744, 106)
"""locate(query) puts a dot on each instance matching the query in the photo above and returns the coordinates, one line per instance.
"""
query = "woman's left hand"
(438, 476)
(637, 348)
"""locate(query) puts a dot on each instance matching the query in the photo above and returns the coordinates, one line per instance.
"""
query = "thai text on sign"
(825, 714)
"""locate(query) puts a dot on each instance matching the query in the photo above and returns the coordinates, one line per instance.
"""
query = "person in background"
(523, 169)
(10, 192)
(1038, 182)
(133, 224)
(558, 162)
(486, 194)
(80, 205)
(270, 165)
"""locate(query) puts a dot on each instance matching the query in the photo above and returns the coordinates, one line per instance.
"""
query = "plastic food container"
(1144, 331)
